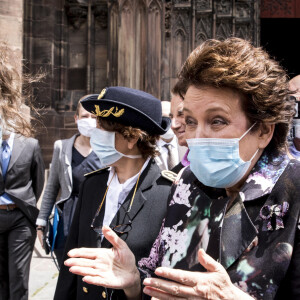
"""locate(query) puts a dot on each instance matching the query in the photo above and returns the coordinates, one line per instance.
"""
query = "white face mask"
(86, 126)
(103, 144)
(168, 135)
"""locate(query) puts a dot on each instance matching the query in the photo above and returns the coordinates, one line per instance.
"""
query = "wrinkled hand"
(112, 268)
(213, 284)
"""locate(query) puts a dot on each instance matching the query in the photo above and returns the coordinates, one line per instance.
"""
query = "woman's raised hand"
(112, 268)
(213, 284)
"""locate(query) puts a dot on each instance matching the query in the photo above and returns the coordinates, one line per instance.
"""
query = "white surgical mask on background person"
(103, 144)
(168, 135)
(216, 162)
(86, 126)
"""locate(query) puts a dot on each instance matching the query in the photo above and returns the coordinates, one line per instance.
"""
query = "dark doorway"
(280, 38)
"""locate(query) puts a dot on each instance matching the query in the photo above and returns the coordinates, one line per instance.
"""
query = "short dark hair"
(235, 63)
(179, 88)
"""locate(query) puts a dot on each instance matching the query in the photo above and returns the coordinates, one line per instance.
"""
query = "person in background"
(72, 158)
(167, 145)
(130, 195)
(178, 125)
(294, 147)
(21, 180)
(232, 225)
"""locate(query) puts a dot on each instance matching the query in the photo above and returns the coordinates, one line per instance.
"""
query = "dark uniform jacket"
(147, 212)
(257, 240)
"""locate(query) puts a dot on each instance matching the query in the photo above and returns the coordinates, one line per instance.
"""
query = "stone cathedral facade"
(86, 45)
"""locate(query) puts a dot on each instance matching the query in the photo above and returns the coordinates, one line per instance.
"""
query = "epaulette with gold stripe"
(170, 175)
(96, 171)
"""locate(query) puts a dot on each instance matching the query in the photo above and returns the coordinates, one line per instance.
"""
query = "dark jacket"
(257, 240)
(147, 212)
(24, 180)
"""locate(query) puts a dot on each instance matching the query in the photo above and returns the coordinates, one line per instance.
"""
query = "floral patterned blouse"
(256, 239)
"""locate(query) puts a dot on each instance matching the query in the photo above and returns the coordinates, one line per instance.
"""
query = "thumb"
(113, 238)
(208, 262)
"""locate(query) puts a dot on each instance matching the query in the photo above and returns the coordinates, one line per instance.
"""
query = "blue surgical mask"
(103, 144)
(217, 162)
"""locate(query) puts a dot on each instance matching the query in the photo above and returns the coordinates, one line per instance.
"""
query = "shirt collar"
(160, 143)
(10, 140)
(185, 162)
(129, 181)
(263, 176)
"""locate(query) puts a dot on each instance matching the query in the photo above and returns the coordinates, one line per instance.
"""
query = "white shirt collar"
(117, 193)
(160, 143)
(10, 140)
(129, 180)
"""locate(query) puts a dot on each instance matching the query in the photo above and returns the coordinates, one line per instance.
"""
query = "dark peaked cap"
(129, 107)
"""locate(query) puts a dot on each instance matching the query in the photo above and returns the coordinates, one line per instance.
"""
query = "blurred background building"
(86, 45)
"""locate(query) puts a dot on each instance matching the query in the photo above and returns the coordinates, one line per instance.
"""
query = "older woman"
(129, 194)
(232, 227)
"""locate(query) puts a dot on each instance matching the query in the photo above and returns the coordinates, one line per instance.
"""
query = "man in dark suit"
(21, 184)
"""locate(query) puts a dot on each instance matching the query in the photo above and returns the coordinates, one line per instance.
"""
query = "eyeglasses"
(124, 227)
(118, 229)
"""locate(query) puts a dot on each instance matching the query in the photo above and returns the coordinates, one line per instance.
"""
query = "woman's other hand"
(213, 284)
(108, 267)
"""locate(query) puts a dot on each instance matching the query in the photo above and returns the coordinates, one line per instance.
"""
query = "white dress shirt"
(162, 159)
(117, 193)
(4, 198)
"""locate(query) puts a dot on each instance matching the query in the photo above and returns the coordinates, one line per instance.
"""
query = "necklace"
(101, 204)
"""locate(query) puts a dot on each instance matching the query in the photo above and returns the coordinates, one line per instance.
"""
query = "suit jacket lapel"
(146, 181)
(17, 149)
(237, 233)
(67, 150)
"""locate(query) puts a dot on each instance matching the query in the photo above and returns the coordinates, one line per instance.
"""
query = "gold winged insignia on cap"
(101, 94)
(107, 112)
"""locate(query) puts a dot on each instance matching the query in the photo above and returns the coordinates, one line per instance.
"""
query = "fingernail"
(158, 271)
(70, 252)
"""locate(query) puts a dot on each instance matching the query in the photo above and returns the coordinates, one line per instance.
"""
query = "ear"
(75, 118)
(132, 142)
(266, 132)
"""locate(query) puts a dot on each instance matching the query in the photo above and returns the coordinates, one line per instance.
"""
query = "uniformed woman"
(130, 195)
